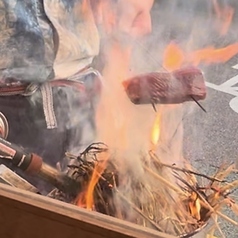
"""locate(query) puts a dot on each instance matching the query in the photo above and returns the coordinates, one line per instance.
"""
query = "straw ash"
(164, 197)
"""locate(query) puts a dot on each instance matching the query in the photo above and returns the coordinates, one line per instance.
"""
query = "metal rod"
(198, 104)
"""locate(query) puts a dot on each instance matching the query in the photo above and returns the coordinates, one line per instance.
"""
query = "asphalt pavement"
(211, 138)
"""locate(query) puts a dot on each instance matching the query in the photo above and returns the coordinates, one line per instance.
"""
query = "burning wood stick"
(166, 88)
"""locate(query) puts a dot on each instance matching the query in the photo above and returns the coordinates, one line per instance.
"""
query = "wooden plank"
(27, 215)
(7, 176)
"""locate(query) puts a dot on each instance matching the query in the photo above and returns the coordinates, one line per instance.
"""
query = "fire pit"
(179, 209)
(165, 198)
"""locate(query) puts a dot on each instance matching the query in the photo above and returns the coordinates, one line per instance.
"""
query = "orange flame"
(86, 198)
(211, 55)
(224, 17)
(80, 201)
(156, 130)
(115, 72)
(195, 206)
(175, 57)
(97, 172)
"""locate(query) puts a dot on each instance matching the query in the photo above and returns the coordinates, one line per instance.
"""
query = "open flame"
(115, 112)
(156, 131)
(86, 198)
(98, 170)
(175, 57)
(195, 206)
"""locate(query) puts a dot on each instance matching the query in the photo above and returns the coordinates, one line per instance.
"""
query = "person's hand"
(130, 18)
(133, 17)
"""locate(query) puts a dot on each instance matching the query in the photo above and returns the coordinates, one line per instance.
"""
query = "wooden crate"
(27, 215)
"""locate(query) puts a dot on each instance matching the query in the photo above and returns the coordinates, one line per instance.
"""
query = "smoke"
(192, 25)
(121, 124)
(125, 127)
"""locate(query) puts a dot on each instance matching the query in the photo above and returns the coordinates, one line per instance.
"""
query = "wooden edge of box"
(63, 213)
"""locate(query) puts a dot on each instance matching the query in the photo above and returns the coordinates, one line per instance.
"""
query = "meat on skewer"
(166, 87)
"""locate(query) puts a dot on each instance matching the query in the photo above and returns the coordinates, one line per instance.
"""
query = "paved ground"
(210, 138)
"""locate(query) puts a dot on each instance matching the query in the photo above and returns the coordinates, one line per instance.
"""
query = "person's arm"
(127, 17)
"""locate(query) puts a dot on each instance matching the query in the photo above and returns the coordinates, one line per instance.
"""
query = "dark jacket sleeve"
(27, 42)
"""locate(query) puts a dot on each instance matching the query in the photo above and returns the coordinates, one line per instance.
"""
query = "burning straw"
(164, 197)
